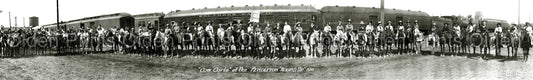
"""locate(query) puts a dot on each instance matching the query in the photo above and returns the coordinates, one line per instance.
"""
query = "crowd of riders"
(272, 40)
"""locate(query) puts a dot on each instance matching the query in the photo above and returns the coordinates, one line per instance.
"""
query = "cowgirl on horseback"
(400, 38)
(313, 39)
(419, 37)
(515, 39)
(377, 39)
(389, 38)
(326, 40)
(432, 39)
(498, 33)
(339, 38)
(350, 41)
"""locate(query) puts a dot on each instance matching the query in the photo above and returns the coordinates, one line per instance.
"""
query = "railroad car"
(231, 15)
(149, 19)
(334, 14)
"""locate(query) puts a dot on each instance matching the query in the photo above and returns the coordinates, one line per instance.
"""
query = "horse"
(361, 41)
(73, 41)
(476, 40)
(465, 41)
(228, 41)
(515, 42)
(3, 38)
(376, 38)
(339, 41)
(276, 45)
(298, 41)
(84, 41)
(268, 46)
(417, 37)
(219, 41)
(198, 44)
(351, 42)
(313, 39)
(237, 42)
(286, 42)
(208, 40)
(401, 37)
(163, 40)
(326, 41)
(525, 44)
(255, 42)
(410, 40)
(388, 40)
(498, 36)
(128, 39)
(262, 38)
(432, 41)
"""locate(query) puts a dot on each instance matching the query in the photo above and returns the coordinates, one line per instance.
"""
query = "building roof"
(354, 9)
(244, 9)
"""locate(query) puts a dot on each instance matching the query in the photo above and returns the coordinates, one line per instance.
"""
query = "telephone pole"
(9, 19)
(382, 11)
(23, 21)
(16, 21)
(57, 8)
(518, 12)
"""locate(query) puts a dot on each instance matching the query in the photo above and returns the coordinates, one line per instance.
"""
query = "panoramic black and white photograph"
(265, 39)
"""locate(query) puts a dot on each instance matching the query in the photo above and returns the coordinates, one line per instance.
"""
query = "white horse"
(314, 38)
(164, 42)
(339, 39)
(84, 40)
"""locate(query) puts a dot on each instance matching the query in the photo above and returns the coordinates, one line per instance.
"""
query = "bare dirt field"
(120, 66)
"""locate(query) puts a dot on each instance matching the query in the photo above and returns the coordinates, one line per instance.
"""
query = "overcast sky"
(75, 9)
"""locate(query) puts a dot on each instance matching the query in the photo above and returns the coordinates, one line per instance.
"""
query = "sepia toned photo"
(265, 39)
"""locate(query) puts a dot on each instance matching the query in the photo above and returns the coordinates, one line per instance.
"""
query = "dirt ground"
(120, 66)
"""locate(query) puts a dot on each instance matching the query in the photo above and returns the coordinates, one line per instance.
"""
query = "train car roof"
(495, 20)
(148, 15)
(244, 9)
(354, 9)
(93, 18)
(106, 16)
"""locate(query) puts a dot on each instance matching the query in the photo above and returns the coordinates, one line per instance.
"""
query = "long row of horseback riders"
(266, 41)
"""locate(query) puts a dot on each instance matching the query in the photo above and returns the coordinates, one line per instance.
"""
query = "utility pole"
(23, 21)
(382, 11)
(9, 19)
(57, 8)
(518, 12)
(16, 21)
